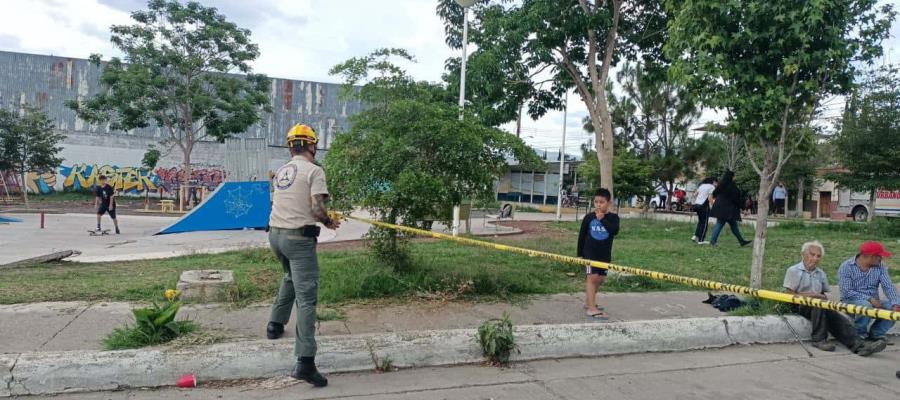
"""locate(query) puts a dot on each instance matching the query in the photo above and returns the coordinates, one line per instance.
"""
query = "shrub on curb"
(497, 340)
(153, 325)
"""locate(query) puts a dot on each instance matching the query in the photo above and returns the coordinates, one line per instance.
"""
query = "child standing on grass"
(595, 240)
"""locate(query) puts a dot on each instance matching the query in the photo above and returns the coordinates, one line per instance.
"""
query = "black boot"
(305, 370)
(274, 330)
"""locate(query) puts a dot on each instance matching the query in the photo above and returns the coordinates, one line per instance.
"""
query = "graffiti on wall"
(123, 179)
(42, 183)
(171, 178)
(126, 180)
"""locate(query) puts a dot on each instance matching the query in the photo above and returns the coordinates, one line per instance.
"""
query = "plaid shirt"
(858, 285)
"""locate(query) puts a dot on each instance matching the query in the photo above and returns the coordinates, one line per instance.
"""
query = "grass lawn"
(449, 270)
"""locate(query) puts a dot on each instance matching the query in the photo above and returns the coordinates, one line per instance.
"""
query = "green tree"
(563, 44)
(28, 143)
(768, 64)
(652, 117)
(868, 143)
(177, 73)
(151, 158)
(408, 158)
(633, 174)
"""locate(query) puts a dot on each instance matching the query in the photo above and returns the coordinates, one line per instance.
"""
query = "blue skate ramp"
(233, 205)
(4, 220)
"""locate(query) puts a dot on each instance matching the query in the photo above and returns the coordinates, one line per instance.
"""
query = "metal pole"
(462, 99)
(562, 158)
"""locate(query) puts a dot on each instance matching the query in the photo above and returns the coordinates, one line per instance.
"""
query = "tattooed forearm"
(319, 209)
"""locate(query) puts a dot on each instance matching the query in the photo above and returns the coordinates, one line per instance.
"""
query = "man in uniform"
(298, 202)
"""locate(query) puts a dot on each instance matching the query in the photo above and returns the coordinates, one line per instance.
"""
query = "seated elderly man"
(859, 278)
(806, 279)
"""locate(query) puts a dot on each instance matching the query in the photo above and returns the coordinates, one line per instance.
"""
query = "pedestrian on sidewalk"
(105, 202)
(701, 207)
(595, 240)
(859, 278)
(298, 202)
(779, 196)
(726, 208)
(807, 279)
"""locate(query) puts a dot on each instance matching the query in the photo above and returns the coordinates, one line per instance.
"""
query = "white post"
(462, 99)
(545, 187)
(462, 72)
(562, 158)
(531, 195)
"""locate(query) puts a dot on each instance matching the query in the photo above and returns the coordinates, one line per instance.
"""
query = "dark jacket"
(728, 200)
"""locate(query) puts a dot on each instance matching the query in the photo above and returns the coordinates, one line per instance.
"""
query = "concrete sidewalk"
(63, 326)
(53, 347)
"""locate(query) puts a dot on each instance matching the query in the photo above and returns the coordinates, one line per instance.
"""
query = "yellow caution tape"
(712, 285)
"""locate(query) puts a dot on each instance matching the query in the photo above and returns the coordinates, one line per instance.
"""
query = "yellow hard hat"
(302, 133)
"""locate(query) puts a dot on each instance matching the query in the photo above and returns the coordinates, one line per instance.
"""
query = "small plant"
(385, 364)
(153, 325)
(497, 340)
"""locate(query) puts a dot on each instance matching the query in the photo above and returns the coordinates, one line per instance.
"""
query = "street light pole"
(562, 158)
(465, 4)
(462, 72)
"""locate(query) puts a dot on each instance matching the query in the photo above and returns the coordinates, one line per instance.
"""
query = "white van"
(856, 204)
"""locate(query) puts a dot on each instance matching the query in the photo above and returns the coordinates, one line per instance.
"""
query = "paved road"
(741, 372)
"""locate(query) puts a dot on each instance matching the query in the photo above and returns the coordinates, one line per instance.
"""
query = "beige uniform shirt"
(295, 184)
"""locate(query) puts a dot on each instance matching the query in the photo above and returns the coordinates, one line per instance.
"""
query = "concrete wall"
(90, 150)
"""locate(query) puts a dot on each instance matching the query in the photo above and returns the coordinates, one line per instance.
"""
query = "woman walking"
(726, 208)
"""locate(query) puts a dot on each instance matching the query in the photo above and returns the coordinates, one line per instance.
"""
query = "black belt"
(311, 231)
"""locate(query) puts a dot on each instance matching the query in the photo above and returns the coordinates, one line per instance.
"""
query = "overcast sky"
(299, 39)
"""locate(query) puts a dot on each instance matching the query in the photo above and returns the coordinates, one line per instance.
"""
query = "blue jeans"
(879, 328)
(720, 223)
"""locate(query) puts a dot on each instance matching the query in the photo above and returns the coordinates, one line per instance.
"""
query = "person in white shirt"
(779, 195)
(663, 194)
(701, 207)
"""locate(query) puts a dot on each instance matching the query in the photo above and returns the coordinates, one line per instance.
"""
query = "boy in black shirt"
(105, 202)
(595, 240)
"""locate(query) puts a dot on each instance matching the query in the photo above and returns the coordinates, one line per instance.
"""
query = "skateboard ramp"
(8, 219)
(233, 205)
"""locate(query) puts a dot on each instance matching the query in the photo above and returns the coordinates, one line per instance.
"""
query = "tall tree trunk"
(872, 196)
(186, 166)
(766, 182)
(799, 201)
(605, 146)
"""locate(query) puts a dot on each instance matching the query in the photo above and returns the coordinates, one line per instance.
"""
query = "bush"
(390, 247)
(497, 340)
(153, 325)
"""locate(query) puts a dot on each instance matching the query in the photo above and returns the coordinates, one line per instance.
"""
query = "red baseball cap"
(873, 248)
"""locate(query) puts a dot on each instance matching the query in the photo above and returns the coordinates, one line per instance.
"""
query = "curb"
(88, 371)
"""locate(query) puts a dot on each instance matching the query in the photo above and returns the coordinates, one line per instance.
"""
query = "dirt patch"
(533, 229)
(344, 245)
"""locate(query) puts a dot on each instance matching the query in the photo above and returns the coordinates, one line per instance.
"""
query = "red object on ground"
(187, 381)
(42, 220)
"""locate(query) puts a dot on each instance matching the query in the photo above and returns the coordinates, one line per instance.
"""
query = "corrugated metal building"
(49, 81)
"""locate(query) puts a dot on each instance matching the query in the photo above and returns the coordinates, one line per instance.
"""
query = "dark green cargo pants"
(300, 284)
